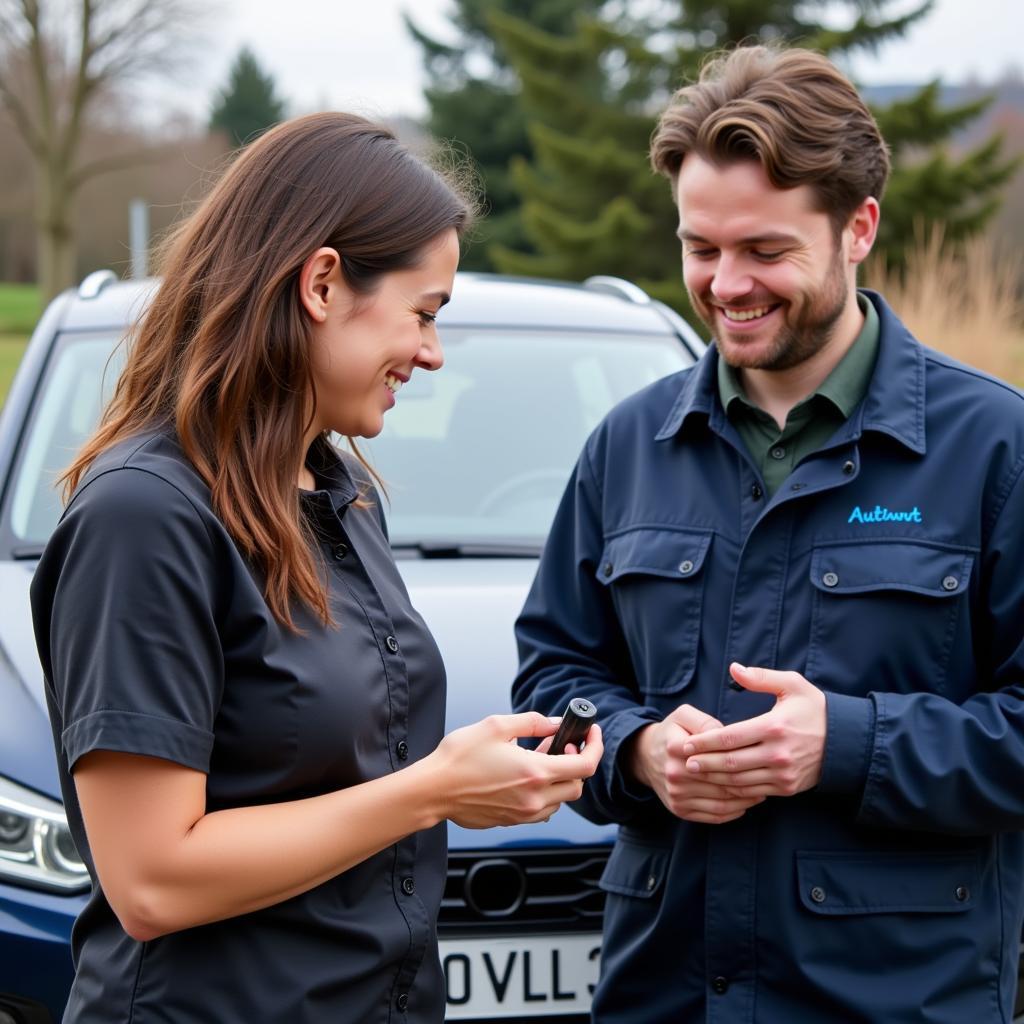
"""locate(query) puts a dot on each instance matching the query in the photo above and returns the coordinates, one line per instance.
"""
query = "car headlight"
(36, 848)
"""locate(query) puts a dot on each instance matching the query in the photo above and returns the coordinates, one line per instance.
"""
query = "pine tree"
(473, 99)
(247, 106)
(590, 202)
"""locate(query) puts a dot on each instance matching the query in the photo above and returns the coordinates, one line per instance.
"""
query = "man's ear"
(320, 283)
(861, 230)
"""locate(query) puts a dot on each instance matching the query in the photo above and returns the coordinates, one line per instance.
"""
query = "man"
(792, 580)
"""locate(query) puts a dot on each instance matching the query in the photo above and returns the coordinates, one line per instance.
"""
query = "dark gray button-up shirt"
(155, 639)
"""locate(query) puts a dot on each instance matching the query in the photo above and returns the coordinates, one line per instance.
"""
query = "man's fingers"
(728, 762)
(729, 737)
(734, 782)
(693, 719)
(765, 680)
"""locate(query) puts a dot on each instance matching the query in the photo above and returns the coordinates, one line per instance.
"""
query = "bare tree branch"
(57, 57)
(117, 162)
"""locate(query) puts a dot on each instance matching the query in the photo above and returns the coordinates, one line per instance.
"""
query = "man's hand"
(776, 754)
(657, 759)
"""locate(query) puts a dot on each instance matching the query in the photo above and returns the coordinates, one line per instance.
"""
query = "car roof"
(480, 300)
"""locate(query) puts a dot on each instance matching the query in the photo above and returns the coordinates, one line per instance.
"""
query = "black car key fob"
(578, 717)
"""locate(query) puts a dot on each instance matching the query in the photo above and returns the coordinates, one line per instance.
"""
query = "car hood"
(469, 604)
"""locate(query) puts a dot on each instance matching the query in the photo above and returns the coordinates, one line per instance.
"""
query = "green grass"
(11, 348)
(19, 311)
(19, 308)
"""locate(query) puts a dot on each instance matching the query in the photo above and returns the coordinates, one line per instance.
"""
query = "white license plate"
(522, 976)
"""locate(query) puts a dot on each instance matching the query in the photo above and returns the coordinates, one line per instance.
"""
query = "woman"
(247, 712)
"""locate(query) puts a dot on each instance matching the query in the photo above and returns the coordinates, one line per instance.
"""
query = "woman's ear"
(320, 283)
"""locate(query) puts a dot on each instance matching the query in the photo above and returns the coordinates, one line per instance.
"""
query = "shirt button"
(720, 985)
(818, 894)
(962, 893)
(778, 452)
(651, 883)
(408, 886)
(950, 583)
(849, 466)
(340, 551)
(686, 567)
(392, 644)
(830, 579)
(756, 492)
(402, 1001)
(607, 569)
(402, 749)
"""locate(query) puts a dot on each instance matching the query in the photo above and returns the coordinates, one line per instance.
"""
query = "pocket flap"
(635, 869)
(920, 568)
(673, 554)
(843, 883)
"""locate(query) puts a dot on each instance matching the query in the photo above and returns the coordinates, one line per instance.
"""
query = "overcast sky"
(356, 54)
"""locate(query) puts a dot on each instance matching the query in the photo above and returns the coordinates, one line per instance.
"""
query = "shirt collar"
(893, 404)
(335, 489)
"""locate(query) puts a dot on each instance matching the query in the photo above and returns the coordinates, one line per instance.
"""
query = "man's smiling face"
(762, 265)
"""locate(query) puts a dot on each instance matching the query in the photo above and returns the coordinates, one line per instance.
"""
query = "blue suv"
(476, 458)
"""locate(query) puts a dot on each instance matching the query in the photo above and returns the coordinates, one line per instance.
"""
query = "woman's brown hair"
(791, 110)
(222, 354)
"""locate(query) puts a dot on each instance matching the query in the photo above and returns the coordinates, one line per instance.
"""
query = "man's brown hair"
(791, 110)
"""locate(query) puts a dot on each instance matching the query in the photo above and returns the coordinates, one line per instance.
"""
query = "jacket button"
(755, 491)
(408, 886)
(849, 466)
(950, 583)
(392, 644)
(962, 893)
(686, 567)
(719, 985)
(607, 568)
(402, 1001)
(818, 894)
(340, 551)
(402, 750)
(830, 579)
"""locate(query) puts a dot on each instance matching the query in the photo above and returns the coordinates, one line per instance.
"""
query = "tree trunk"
(55, 233)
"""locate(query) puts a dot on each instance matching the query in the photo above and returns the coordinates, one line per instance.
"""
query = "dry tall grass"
(963, 300)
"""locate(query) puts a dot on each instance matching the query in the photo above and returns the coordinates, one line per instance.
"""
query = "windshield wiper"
(465, 549)
(27, 552)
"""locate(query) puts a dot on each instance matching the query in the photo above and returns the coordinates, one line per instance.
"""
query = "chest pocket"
(656, 578)
(885, 614)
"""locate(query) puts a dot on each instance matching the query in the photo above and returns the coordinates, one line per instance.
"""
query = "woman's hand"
(166, 864)
(485, 778)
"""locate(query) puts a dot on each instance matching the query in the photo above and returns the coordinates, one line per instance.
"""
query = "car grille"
(519, 889)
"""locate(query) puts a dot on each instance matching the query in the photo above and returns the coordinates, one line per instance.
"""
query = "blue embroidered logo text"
(883, 515)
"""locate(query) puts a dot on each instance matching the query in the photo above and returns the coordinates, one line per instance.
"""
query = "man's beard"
(795, 342)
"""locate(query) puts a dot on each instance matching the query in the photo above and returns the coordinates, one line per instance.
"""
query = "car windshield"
(474, 457)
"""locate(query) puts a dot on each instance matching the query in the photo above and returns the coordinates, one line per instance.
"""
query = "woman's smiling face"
(365, 347)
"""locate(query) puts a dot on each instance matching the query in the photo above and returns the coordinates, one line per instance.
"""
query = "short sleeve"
(124, 610)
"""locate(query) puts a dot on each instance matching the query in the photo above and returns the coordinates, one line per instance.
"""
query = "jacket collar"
(894, 403)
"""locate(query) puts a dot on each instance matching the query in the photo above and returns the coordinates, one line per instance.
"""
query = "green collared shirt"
(811, 422)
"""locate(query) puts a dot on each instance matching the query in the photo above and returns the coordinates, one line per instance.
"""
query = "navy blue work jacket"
(889, 570)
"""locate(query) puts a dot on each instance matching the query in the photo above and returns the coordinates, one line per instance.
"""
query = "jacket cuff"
(848, 743)
(624, 790)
